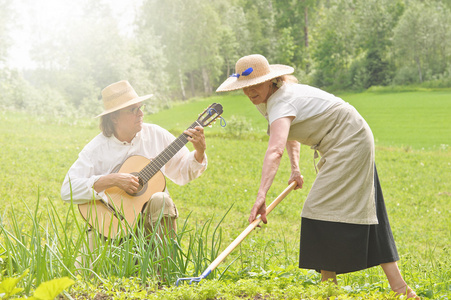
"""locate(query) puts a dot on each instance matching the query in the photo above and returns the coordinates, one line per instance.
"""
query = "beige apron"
(343, 190)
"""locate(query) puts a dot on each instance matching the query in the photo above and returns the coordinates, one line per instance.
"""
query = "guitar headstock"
(210, 114)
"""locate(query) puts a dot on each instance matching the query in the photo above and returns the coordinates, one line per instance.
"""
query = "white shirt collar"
(115, 139)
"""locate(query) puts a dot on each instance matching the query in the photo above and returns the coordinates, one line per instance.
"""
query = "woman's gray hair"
(107, 124)
(278, 81)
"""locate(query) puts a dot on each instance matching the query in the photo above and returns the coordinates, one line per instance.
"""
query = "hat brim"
(234, 83)
(124, 105)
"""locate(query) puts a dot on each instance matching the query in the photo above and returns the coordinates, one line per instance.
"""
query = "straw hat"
(119, 95)
(251, 70)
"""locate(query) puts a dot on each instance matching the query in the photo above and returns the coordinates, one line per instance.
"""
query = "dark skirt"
(343, 247)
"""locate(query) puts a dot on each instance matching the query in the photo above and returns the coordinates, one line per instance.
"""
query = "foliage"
(238, 126)
(190, 53)
(374, 35)
(181, 50)
(273, 288)
(351, 50)
(45, 291)
(332, 45)
(51, 289)
(8, 286)
(285, 47)
(58, 246)
(6, 21)
(421, 38)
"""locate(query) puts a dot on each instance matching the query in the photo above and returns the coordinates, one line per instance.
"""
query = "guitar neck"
(158, 162)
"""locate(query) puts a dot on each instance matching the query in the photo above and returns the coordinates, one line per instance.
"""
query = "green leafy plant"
(45, 291)
(8, 286)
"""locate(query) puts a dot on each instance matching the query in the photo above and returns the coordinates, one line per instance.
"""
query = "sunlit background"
(59, 54)
(36, 20)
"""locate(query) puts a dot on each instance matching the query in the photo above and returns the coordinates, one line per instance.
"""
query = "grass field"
(413, 135)
(418, 120)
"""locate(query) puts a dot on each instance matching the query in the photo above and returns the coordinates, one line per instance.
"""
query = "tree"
(86, 55)
(247, 27)
(235, 37)
(332, 44)
(260, 22)
(297, 15)
(149, 68)
(228, 49)
(374, 21)
(202, 45)
(190, 34)
(285, 47)
(423, 40)
(5, 24)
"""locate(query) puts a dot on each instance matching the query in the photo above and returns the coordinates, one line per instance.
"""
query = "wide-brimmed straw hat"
(119, 95)
(251, 70)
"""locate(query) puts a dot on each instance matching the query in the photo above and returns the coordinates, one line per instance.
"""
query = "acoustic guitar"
(120, 215)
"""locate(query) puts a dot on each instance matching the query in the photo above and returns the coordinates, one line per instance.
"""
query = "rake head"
(193, 279)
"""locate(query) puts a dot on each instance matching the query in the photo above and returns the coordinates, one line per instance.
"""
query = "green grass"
(419, 120)
(413, 164)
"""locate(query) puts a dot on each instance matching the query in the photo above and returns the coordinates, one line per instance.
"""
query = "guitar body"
(124, 211)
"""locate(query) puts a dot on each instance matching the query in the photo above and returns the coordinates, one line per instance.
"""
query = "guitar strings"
(161, 159)
(158, 162)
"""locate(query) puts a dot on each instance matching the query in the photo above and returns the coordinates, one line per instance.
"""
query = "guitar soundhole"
(141, 189)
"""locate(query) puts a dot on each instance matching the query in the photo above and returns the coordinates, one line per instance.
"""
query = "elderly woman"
(344, 225)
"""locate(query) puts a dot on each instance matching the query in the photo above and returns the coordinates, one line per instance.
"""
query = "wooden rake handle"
(249, 228)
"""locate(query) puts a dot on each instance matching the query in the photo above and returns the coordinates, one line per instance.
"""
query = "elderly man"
(125, 135)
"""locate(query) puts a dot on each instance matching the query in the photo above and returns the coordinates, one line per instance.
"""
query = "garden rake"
(239, 239)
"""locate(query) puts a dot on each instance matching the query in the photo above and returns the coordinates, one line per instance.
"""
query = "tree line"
(181, 49)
